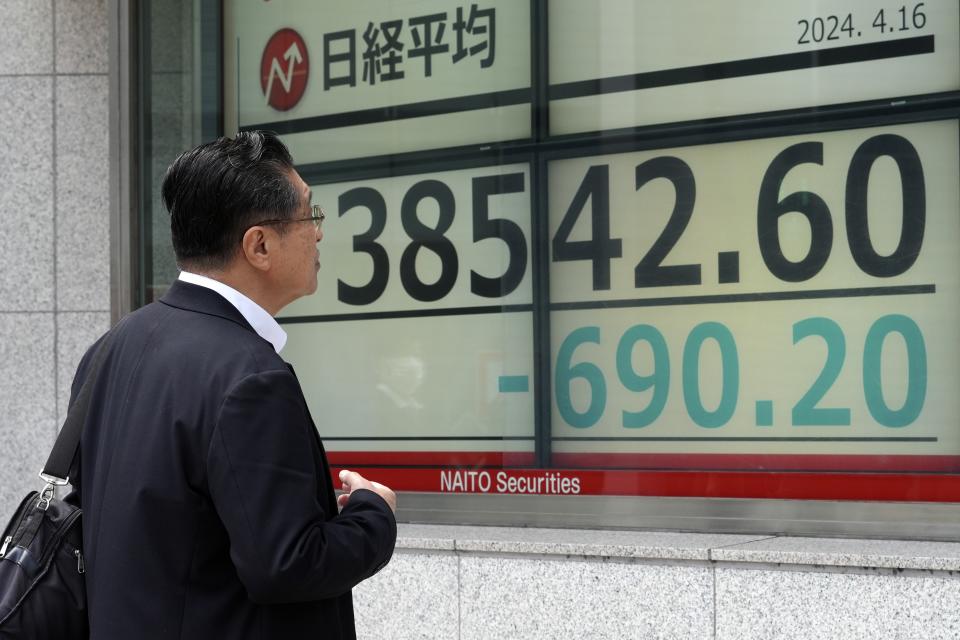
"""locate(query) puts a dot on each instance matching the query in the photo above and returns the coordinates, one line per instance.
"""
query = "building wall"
(486, 583)
(54, 205)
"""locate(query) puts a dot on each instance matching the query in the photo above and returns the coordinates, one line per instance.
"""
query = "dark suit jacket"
(208, 510)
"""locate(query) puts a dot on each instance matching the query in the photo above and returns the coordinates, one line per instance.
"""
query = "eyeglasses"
(317, 218)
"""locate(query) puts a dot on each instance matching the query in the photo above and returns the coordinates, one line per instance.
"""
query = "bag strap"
(57, 468)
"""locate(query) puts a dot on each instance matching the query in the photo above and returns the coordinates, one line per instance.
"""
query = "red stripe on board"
(759, 462)
(886, 487)
(654, 461)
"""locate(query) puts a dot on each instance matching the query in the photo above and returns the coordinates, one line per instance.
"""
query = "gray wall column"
(54, 268)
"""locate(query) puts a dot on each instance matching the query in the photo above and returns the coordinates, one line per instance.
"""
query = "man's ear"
(255, 247)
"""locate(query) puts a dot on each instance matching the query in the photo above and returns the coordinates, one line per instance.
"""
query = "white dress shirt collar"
(261, 321)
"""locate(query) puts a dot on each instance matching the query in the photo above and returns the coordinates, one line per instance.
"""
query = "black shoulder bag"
(42, 590)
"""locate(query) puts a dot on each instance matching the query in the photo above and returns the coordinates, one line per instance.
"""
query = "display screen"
(623, 247)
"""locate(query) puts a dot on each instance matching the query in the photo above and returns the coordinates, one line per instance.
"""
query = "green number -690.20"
(806, 412)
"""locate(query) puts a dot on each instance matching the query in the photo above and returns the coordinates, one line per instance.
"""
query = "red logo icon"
(284, 68)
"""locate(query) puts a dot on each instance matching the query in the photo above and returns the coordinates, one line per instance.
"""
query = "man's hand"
(352, 481)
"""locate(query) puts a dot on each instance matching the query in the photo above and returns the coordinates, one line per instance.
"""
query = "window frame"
(926, 517)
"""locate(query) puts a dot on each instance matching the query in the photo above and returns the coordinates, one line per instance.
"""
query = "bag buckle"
(47, 494)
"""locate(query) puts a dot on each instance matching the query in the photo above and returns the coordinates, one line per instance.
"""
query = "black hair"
(214, 193)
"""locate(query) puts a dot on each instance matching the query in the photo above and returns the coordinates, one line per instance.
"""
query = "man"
(208, 510)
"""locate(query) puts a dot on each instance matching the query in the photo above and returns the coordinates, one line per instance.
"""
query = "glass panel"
(778, 304)
(179, 109)
(417, 348)
(621, 248)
